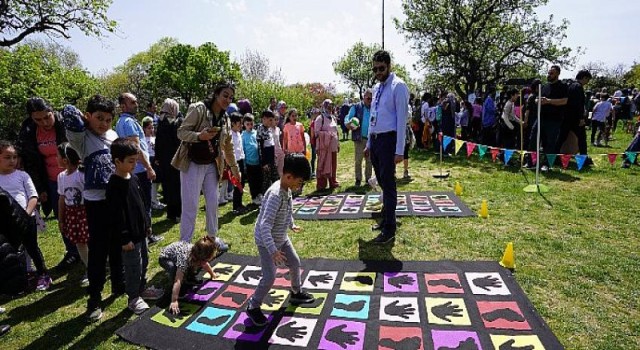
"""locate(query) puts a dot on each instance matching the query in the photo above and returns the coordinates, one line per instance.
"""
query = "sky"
(304, 37)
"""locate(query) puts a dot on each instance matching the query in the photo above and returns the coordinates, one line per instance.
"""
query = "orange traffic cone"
(508, 258)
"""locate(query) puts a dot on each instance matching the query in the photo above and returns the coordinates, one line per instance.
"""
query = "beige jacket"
(200, 117)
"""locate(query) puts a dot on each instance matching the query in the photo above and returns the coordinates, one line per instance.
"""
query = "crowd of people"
(101, 180)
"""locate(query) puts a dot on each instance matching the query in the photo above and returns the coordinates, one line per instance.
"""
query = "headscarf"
(169, 109)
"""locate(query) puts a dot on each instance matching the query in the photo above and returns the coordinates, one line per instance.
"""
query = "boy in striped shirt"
(274, 246)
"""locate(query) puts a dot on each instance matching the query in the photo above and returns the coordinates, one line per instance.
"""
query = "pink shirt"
(477, 111)
(294, 134)
(49, 150)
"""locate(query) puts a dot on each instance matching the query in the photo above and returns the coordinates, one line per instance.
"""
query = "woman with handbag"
(205, 150)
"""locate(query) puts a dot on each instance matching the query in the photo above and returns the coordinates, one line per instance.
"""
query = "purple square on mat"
(400, 282)
(205, 292)
(455, 339)
(243, 329)
(337, 331)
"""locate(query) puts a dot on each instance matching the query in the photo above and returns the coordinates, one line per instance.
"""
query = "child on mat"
(129, 223)
(182, 259)
(20, 186)
(72, 216)
(271, 237)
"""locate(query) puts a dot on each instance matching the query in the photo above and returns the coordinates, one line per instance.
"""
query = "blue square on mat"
(211, 321)
(351, 306)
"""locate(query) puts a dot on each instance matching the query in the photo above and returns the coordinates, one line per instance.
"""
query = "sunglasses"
(376, 69)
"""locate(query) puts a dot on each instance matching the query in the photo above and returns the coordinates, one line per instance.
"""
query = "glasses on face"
(381, 69)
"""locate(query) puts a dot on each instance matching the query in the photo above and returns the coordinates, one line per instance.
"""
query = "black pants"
(254, 178)
(102, 245)
(489, 135)
(237, 193)
(599, 127)
(171, 191)
(30, 243)
(383, 148)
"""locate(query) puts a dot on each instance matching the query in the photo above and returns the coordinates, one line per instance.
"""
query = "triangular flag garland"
(535, 157)
(470, 147)
(459, 144)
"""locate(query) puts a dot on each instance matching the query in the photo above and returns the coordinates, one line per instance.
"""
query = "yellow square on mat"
(516, 342)
(274, 299)
(447, 311)
(358, 281)
(224, 272)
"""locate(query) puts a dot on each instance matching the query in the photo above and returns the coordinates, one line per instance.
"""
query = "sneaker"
(153, 239)
(2, 310)
(44, 282)
(222, 246)
(158, 206)
(544, 168)
(383, 238)
(301, 297)
(257, 200)
(406, 175)
(229, 196)
(257, 317)
(67, 261)
(138, 306)
(85, 280)
(152, 293)
(240, 210)
(4, 329)
(94, 314)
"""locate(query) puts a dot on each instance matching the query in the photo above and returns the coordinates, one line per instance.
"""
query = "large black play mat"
(443, 305)
(360, 206)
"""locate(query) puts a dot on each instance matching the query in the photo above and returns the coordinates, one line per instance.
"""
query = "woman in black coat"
(167, 143)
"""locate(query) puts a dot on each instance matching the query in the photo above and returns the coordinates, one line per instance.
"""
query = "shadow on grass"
(59, 296)
(371, 255)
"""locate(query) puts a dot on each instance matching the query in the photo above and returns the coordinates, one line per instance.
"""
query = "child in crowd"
(602, 112)
(253, 169)
(72, 216)
(236, 139)
(267, 148)
(183, 259)
(91, 136)
(129, 223)
(20, 186)
(271, 237)
(293, 140)
(150, 137)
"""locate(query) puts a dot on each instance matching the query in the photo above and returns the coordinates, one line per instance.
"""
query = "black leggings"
(30, 243)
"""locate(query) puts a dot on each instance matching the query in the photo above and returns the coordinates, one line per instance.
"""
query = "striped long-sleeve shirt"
(275, 218)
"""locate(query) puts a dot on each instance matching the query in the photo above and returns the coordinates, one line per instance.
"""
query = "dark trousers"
(30, 242)
(382, 153)
(171, 191)
(145, 186)
(135, 263)
(254, 178)
(52, 195)
(549, 133)
(237, 193)
(489, 135)
(599, 127)
(102, 245)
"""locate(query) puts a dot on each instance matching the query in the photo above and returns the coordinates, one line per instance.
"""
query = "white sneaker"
(152, 293)
(138, 306)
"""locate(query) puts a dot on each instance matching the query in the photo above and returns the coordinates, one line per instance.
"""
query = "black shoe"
(377, 227)
(301, 297)
(153, 239)
(67, 261)
(358, 183)
(626, 165)
(4, 329)
(384, 238)
(257, 317)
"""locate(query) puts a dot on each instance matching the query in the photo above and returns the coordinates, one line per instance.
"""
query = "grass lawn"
(577, 250)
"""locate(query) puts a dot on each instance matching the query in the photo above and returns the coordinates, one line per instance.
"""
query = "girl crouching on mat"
(182, 259)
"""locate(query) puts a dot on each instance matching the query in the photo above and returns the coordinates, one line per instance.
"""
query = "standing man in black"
(554, 99)
(575, 116)
(386, 141)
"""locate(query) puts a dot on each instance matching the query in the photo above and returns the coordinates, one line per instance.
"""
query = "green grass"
(576, 247)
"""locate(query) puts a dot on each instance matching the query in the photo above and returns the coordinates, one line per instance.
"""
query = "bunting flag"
(580, 159)
(597, 160)
(551, 158)
(612, 158)
(507, 155)
(565, 158)
(534, 158)
(631, 156)
(482, 150)
(459, 144)
(494, 153)
(445, 142)
(470, 147)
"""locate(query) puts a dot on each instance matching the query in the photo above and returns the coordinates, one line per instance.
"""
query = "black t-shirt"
(554, 91)
(575, 103)
(532, 108)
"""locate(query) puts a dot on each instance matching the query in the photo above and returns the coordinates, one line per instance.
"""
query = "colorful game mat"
(361, 206)
(442, 305)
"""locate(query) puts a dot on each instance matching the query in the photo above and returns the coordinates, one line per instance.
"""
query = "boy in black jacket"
(130, 223)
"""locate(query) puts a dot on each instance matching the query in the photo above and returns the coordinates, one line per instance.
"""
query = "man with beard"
(554, 98)
(575, 116)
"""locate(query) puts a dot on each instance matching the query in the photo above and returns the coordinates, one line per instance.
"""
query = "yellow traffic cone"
(457, 189)
(508, 258)
(484, 209)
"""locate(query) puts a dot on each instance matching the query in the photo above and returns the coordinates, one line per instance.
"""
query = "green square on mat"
(164, 317)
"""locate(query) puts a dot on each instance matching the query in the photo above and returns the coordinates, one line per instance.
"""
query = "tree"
(474, 43)
(612, 77)
(192, 73)
(19, 19)
(632, 76)
(256, 66)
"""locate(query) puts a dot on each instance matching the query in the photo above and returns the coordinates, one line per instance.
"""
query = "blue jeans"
(135, 264)
(382, 155)
(269, 273)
